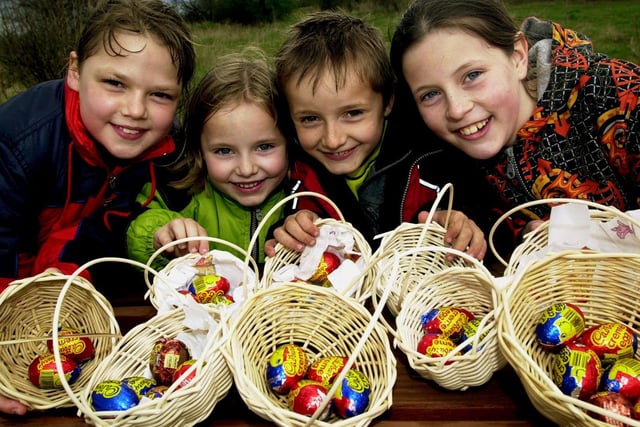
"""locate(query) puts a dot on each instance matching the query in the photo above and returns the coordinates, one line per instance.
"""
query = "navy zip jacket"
(63, 200)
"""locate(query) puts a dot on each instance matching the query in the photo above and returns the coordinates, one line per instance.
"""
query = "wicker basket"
(323, 323)
(603, 285)
(359, 289)
(537, 239)
(416, 264)
(472, 289)
(27, 309)
(183, 406)
(171, 293)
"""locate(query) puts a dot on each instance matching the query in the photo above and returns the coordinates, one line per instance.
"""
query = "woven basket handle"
(274, 210)
(413, 252)
(75, 278)
(594, 205)
(375, 318)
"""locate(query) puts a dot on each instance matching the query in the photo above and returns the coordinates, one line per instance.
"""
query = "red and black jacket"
(63, 200)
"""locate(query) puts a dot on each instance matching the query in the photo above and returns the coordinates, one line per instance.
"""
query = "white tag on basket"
(569, 227)
(342, 277)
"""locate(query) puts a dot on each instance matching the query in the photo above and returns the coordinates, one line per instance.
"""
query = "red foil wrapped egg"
(77, 348)
(352, 397)
(577, 370)
(307, 396)
(435, 345)
(166, 356)
(623, 377)
(610, 341)
(446, 321)
(183, 369)
(287, 365)
(326, 369)
(43, 371)
(209, 288)
(559, 324)
(328, 263)
(613, 402)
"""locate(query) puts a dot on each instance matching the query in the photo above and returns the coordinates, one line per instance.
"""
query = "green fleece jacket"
(220, 215)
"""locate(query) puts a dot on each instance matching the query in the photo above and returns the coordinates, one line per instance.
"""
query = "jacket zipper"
(514, 172)
(256, 218)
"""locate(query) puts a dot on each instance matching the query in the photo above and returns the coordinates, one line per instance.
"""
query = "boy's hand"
(462, 234)
(178, 229)
(297, 232)
(13, 407)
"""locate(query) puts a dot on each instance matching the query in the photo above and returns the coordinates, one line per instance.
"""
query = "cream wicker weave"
(415, 265)
(27, 309)
(360, 288)
(472, 289)
(605, 287)
(184, 406)
(323, 323)
(537, 239)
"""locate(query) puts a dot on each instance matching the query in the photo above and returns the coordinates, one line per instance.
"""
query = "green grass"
(613, 25)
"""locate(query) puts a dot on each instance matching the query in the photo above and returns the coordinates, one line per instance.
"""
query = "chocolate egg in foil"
(77, 348)
(623, 377)
(326, 369)
(446, 321)
(306, 396)
(287, 365)
(610, 341)
(166, 356)
(352, 397)
(577, 370)
(613, 402)
(43, 371)
(113, 395)
(559, 324)
(139, 384)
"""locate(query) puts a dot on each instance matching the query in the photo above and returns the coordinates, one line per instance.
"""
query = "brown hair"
(246, 76)
(339, 43)
(148, 17)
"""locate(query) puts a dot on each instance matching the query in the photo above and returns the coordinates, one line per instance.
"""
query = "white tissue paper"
(571, 228)
(337, 240)
(168, 285)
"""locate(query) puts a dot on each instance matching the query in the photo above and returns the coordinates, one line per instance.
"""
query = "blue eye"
(473, 75)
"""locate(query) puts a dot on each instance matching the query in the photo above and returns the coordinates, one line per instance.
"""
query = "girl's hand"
(462, 233)
(178, 229)
(297, 232)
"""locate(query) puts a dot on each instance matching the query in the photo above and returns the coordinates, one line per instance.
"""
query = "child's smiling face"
(127, 101)
(470, 93)
(338, 126)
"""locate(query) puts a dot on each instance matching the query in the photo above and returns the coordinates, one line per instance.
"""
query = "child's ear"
(389, 107)
(521, 56)
(73, 72)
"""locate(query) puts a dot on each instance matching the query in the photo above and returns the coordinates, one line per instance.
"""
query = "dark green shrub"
(242, 12)
(36, 37)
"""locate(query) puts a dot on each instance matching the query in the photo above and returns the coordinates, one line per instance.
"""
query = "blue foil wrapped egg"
(559, 324)
(352, 397)
(113, 395)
